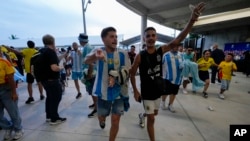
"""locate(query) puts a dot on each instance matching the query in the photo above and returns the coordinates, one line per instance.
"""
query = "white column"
(143, 27)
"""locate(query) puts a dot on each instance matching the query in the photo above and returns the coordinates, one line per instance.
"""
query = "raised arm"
(194, 17)
(13, 50)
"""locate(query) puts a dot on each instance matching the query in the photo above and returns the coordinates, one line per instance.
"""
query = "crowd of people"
(106, 72)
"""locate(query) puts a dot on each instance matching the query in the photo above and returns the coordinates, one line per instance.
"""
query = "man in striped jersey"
(111, 85)
(76, 59)
(171, 71)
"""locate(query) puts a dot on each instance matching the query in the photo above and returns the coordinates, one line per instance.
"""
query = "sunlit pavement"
(193, 121)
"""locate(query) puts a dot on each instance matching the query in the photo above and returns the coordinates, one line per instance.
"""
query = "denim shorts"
(104, 107)
(225, 84)
(76, 75)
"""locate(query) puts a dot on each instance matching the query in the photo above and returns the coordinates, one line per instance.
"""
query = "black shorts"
(204, 75)
(68, 66)
(171, 88)
(30, 78)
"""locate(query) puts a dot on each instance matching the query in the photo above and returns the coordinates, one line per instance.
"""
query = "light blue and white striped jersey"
(113, 61)
(172, 64)
(76, 61)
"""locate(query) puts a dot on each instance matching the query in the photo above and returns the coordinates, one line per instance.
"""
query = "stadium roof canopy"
(219, 14)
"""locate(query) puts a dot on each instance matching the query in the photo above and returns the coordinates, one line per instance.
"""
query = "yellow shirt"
(27, 54)
(4, 49)
(13, 58)
(5, 69)
(207, 63)
(226, 69)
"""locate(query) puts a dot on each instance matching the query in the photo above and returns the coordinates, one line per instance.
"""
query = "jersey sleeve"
(234, 66)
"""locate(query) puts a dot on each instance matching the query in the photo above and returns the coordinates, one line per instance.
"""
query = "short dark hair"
(48, 40)
(231, 54)
(206, 51)
(132, 46)
(190, 47)
(106, 30)
(31, 44)
(149, 28)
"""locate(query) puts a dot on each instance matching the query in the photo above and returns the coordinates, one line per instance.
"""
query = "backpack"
(37, 65)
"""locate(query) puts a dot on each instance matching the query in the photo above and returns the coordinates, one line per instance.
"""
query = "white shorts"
(151, 105)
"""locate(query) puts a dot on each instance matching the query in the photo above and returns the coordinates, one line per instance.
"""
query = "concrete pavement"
(193, 121)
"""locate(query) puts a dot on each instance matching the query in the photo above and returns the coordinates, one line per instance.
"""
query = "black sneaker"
(58, 121)
(92, 114)
(102, 124)
(78, 95)
(92, 106)
(42, 97)
(205, 95)
(30, 99)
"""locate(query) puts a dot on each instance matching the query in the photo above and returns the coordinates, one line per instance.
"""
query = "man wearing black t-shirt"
(149, 62)
(51, 81)
(218, 56)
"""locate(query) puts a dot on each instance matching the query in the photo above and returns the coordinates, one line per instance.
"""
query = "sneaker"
(205, 95)
(7, 134)
(163, 106)
(58, 121)
(30, 99)
(42, 97)
(18, 135)
(171, 108)
(102, 124)
(141, 120)
(184, 91)
(92, 106)
(92, 114)
(78, 95)
(221, 96)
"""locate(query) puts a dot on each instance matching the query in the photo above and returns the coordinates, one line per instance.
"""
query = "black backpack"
(37, 64)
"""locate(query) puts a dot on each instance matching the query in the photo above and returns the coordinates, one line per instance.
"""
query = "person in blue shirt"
(88, 77)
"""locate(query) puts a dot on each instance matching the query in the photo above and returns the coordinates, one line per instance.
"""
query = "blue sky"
(63, 18)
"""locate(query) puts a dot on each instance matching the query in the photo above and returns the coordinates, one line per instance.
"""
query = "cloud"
(63, 18)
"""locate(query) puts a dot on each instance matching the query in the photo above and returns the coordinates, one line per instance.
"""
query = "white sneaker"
(18, 135)
(171, 108)
(7, 134)
(184, 91)
(141, 120)
(221, 96)
(163, 106)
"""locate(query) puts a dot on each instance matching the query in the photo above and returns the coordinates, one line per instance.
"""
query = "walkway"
(192, 121)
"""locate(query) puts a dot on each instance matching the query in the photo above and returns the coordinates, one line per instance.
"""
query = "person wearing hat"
(88, 72)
